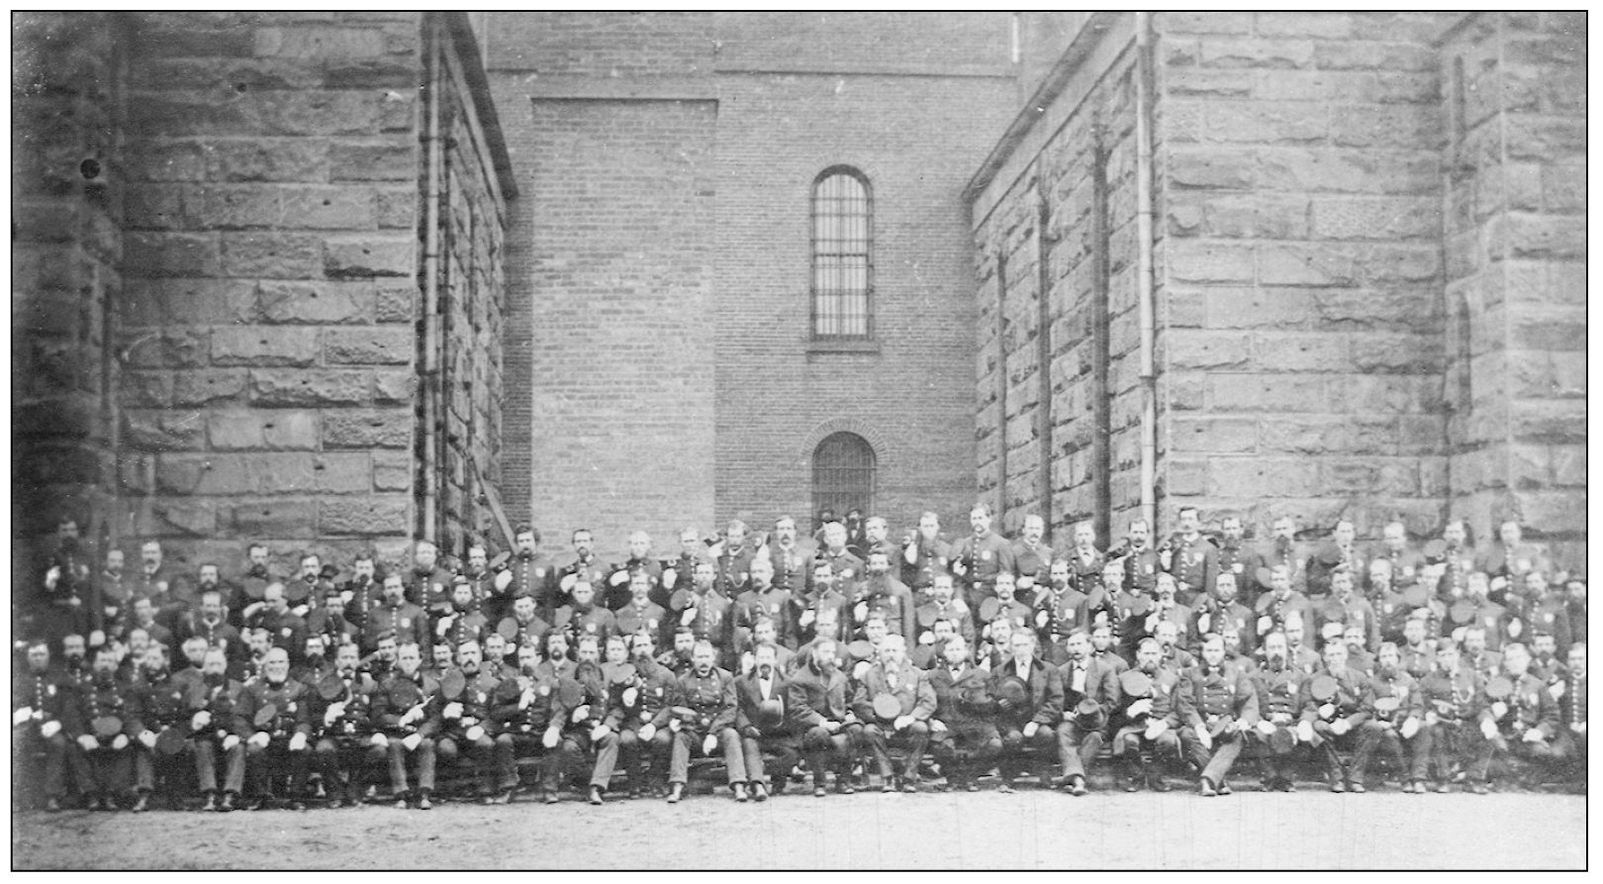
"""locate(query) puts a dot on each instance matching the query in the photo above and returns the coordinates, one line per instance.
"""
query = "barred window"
(843, 474)
(843, 220)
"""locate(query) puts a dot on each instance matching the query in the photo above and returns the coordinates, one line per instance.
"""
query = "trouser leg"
(874, 740)
(734, 759)
(606, 760)
(679, 759)
(1225, 751)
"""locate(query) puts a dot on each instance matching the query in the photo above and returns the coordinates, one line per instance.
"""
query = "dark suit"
(1043, 706)
(777, 740)
(965, 708)
(1079, 740)
(812, 699)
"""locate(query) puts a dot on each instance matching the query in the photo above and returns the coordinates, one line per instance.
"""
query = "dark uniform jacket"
(1279, 693)
(291, 701)
(1217, 697)
(709, 698)
(399, 694)
(546, 708)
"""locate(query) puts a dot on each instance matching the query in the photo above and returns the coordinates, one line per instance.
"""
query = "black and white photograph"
(607, 440)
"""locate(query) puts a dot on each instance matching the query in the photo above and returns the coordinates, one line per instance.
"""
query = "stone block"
(1307, 264)
(1267, 392)
(273, 255)
(208, 386)
(348, 257)
(188, 302)
(1384, 394)
(1187, 392)
(1261, 477)
(1321, 25)
(1210, 167)
(330, 208)
(1547, 328)
(1347, 170)
(1224, 435)
(1378, 476)
(376, 346)
(160, 206)
(1366, 308)
(1568, 465)
(1257, 216)
(312, 387)
(1329, 434)
(388, 160)
(394, 387)
(1208, 83)
(1205, 350)
(264, 346)
(235, 430)
(1561, 422)
(161, 159)
(1422, 434)
(394, 303)
(1546, 139)
(1384, 218)
(1403, 126)
(343, 473)
(1172, 22)
(1545, 236)
(1266, 122)
(396, 207)
(235, 473)
(239, 206)
(1210, 262)
(1386, 352)
(1552, 512)
(161, 253)
(168, 518)
(145, 389)
(383, 428)
(317, 303)
(375, 515)
(271, 517)
(1301, 351)
(1249, 53)
(318, 44)
(1563, 187)
(1233, 307)
(267, 159)
(171, 348)
(392, 471)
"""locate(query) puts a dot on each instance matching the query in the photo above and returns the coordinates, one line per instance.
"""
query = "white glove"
(1340, 726)
(502, 581)
(1026, 582)
(580, 714)
(669, 578)
(618, 578)
(147, 738)
(1155, 728)
(551, 737)
(299, 610)
(49, 729)
(1140, 707)
(709, 744)
(474, 734)
(1031, 728)
(1203, 621)
(1041, 617)
(675, 724)
(1165, 558)
(201, 719)
(926, 638)
(1556, 690)
(1579, 727)
(1265, 623)
(331, 715)
(120, 741)
(1515, 627)
(230, 742)
(88, 743)
(902, 721)
(859, 669)
(452, 709)
(21, 716)
(630, 695)
(52, 576)
(1327, 710)
(806, 618)
(688, 617)
(1488, 729)
(347, 596)
(443, 626)
(598, 732)
(937, 726)
(379, 741)
(1499, 709)
(860, 612)
(260, 739)
(1265, 728)
(646, 732)
(567, 582)
(525, 698)
(412, 741)
(959, 568)
(910, 553)
(297, 743)
(1409, 728)
(1205, 738)
(1305, 731)
(1534, 736)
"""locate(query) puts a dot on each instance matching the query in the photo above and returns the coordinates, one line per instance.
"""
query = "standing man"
(980, 557)
(925, 555)
(788, 556)
(881, 592)
(1032, 559)
(1193, 559)
(1281, 551)
(702, 608)
(396, 617)
(762, 600)
(585, 568)
(427, 585)
(530, 573)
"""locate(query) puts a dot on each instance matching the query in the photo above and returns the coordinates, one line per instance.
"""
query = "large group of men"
(848, 658)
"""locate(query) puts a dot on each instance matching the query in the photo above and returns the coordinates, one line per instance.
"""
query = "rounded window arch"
(842, 254)
(843, 474)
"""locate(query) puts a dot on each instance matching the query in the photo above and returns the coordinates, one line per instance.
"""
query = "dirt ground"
(1026, 830)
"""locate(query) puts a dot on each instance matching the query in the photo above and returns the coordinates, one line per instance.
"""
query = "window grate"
(843, 474)
(842, 275)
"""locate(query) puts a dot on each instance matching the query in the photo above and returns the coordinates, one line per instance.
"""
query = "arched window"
(843, 474)
(843, 238)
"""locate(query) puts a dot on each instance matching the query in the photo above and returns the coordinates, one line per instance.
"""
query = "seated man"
(964, 709)
(276, 711)
(704, 717)
(1029, 719)
(407, 712)
(1149, 720)
(817, 705)
(1090, 694)
(466, 727)
(1335, 704)
(346, 744)
(893, 676)
(1219, 707)
(529, 711)
(44, 717)
(761, 721)
(1521, 724)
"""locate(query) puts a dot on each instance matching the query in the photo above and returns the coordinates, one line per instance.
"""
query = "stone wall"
(1316, 354)
(67, 171)
(1515, 177)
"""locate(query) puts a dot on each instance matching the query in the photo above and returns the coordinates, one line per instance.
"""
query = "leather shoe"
(1160, 785)
(1005, 787)
(819, 791)
(228, 803)
(759, 792)
(910, 786)
(551, 797)
(1207, 790)
(142, 803)
(845, 787)
(1479, 789)
(1077, 786)
(971, 786)
(423, 802)
(740, 791)
(53, 805)
(1356, 788)
(676, 792)
(595, 795)
(1336, 786)
(888, 785)
(1132, 784)
(504, 798)
(1224, 788)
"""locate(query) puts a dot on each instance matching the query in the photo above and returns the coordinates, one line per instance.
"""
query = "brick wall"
(66, 174)
(1514, 171)
(662, 257)
(267, 328)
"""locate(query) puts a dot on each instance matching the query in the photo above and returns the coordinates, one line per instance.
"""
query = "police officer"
(427, 584)
(345, 736)
(979, 557)
(1452, 696)
(706, 611)
(406, 710)
(925, 554)
(582, 618)
(529, 573)
(942, 606)
(1032, 559)
(641, 612)
(879, 591)
(1523, 723)
(276, 711)
(588, 731)
(643, 733)
(1397, 702)
(1193, 559)
(620, 583)
(704, 717)
(525, 626)
(732, 562)
(761, 600)
(789, 556)
(1331, 722)
(396, 616)
(1279, 687)
(215, 728)
(45, 715)
(463, 622)
(466, 725)
(161, 702)
(1219, 706)
(1148, 720)
(529, 711)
